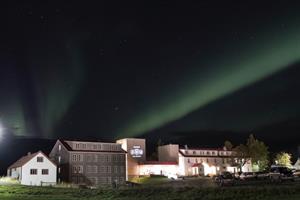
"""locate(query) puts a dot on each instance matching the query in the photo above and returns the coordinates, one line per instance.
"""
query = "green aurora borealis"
(270, 52)
(76, 72)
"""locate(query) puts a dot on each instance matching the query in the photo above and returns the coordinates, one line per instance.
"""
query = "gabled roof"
(69, 148)
(22, 161)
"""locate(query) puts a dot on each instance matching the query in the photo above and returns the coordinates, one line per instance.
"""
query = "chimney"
(185, 146)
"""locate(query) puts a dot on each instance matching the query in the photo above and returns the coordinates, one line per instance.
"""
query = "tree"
(284, 159)
(228, 145)
(254, 150)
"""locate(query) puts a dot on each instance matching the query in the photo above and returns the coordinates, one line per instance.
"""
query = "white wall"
(16, 173)
(28, 179)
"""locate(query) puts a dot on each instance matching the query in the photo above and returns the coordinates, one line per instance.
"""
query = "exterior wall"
(213, 161)
(39, 179)
(90, 166)
(97, 168)
(15, 173)
(182, 167)
(60, 155)
(168, 153)
(156, 169)
(132, 166)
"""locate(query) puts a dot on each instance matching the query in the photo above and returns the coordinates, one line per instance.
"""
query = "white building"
(208, 161)
(201, 161)
(33, 169)
(297, 164)
(174, 161)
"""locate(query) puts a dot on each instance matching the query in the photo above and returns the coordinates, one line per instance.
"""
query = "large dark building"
(89, 163)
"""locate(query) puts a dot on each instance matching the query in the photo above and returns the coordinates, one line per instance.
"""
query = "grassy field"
(172, 190)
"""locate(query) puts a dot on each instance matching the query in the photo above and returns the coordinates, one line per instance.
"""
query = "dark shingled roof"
(69, 148)
(22, 161)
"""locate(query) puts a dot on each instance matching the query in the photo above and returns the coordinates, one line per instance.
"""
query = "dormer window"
(40, 159)
(194, 152)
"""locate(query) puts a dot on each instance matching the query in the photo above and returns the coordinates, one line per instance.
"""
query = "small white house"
(297, 164)
(34, 169)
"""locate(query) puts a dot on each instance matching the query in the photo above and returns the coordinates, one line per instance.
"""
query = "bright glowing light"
(157, 169)
(209, 170)
(1, 131)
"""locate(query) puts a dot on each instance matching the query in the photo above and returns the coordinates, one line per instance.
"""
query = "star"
(116, 108)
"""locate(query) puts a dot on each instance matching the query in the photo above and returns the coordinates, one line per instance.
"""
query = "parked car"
(262, 175)
(247, 176)
(225, 178)
(280, 173)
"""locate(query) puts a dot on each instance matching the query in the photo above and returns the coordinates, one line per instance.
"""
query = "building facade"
(89, 163)
(204, 161)
(136, 154)
(174, 161)
(33, 169)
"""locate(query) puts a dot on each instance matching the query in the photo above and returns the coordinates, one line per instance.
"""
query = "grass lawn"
(147, 191)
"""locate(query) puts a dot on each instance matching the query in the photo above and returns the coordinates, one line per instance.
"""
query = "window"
(40, 159)
(194, 152)
(77, 157)
(116, 169)
(77, 169)
(108, 169)
(122, 158)
(59, 159)
(59, 147)
(33, 171)
(45, 171)
(102, 169)
(122, 169)
(59, 170)
(92, 168)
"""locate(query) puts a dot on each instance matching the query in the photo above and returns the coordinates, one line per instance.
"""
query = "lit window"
(59, 159)
(45, 171)
(33, 171)
(40, 159)
(59, 147)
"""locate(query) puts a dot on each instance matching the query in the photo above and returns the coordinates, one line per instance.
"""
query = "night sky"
(177, 71)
